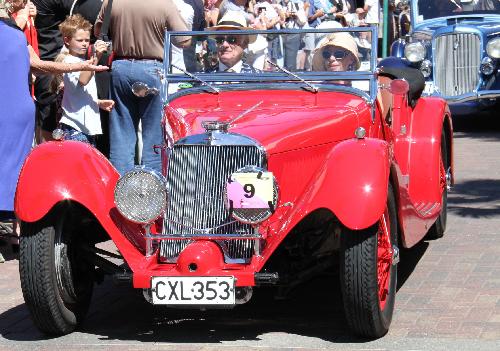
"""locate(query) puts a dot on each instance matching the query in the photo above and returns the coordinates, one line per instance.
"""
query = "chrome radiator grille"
(457, 58)
(196, 180)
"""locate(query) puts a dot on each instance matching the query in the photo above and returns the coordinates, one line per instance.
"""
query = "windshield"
(428, 9)
(309, 59)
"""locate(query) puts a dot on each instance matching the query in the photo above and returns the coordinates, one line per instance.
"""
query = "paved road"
(448, 298)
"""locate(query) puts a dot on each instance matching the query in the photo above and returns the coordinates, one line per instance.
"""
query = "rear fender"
(429, 118)
(352, 184)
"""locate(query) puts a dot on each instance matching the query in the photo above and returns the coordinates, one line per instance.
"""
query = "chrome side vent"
(457, 58)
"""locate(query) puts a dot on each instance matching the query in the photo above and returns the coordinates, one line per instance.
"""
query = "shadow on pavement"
(313, 309)
(7, 250)
(409, 259)
(485, 122)
(477, 198)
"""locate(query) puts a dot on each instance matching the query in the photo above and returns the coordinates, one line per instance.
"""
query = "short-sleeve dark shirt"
(50, 14)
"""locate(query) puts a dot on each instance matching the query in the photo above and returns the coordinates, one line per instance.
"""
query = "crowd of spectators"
(136, 36)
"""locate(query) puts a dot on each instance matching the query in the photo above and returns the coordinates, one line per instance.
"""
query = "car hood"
(279, 120)
(485, 24)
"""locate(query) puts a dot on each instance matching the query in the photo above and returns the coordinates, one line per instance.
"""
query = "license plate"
(193, 290)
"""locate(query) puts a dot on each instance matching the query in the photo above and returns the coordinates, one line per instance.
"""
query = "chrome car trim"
(201, 231)
(182, 236)
(395, 255)
(218, 138)
(457, 58)
(479, 95)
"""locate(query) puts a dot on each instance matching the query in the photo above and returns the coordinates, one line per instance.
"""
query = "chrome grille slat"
(457, 58)
(196, 180)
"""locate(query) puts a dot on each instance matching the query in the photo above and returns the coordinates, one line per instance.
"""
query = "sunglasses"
(230, 40)
(338, 54)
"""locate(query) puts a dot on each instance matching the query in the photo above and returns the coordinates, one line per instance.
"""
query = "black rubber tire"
(53, 310)
(359, 277)
(439, 227)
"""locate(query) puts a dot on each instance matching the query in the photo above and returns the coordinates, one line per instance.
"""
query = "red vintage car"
(269, 178)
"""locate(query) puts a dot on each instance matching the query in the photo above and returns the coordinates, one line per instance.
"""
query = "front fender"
(352, 183)
(72, 170)
(69, 170)
(356, 181)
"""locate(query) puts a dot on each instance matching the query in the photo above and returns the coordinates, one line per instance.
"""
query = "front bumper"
(474, 96)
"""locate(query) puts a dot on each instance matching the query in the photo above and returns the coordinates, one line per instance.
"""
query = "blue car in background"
(456, 46)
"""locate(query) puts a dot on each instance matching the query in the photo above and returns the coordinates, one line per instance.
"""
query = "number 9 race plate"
(193, 290)
(250, 190)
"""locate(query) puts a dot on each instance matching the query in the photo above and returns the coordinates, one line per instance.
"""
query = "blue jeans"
(129, 110)
(71, 133)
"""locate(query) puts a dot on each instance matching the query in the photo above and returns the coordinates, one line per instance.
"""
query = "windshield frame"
(275, 76)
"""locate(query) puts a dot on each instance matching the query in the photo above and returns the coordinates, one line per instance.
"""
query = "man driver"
(230, 48)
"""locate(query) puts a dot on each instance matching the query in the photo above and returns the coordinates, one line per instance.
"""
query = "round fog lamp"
(251, 195)
(141, 195)
(493, 48)
(426, 68)
(415, 52)
(487, 67)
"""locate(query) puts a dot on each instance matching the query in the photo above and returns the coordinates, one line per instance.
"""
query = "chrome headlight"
(493, 48)
(415, 52)
(251, 195)
(487, 66)
(141, 195)
(426, 68)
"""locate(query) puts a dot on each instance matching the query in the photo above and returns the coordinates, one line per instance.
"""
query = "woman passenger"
(336, 52)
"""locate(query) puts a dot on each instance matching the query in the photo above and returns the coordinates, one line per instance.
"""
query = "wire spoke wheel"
(384, 260)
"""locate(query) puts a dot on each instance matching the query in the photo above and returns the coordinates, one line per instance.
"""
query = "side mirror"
(399, 87)
(141, 89)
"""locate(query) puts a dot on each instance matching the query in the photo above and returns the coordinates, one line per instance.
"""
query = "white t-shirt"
(373, 11)
(187, 14)
(79, 104)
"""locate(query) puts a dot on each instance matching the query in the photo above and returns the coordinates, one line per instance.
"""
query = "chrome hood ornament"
(215, 126)
(223, 126)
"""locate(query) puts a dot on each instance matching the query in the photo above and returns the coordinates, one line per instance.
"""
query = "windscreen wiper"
(214, 89)
(311, 87)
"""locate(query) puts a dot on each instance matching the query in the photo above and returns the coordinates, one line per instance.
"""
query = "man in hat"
(230, 48)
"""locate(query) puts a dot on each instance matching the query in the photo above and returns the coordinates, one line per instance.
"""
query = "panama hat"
(342, 40)
(234, 20)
